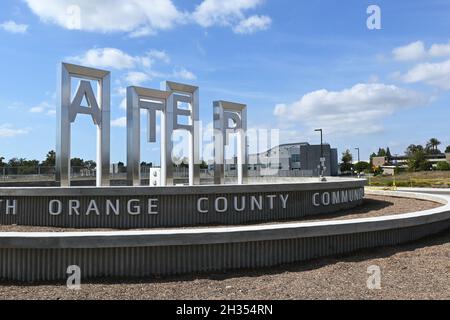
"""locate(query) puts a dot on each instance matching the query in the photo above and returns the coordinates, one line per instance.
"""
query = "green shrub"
(362, 166)
(443, 166)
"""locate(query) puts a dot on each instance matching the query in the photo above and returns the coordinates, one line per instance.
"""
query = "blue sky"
(298, 65)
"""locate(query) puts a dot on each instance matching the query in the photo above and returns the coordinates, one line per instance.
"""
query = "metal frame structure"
(225, 111)
(178, 92)
(152, 100)
(67, 111)
(167, 102)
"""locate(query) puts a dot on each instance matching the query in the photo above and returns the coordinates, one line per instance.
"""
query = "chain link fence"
(47, 173)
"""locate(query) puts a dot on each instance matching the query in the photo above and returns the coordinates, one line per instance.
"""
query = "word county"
(203, 205)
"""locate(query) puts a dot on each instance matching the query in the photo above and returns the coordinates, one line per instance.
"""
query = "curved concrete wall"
(145, 207)
(46, 256)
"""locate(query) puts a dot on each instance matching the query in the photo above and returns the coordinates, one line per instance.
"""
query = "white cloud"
(253, 24)
(44, 107)
(436, 74)
(7, 131)
(219, 12)
(141, 18)
(111, 58)
(184, 74)
(13, 27)
(136, 77)
(37, 109)
(159, 55)
(117, 59)
(358, 110)
(142, 32)
(432, 73)
(440, 49)
(137, 17)
(413, 51)
(231, 13)
(417, 51)
(119, 122)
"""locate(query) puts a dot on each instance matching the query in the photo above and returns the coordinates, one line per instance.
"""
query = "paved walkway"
(440, 191)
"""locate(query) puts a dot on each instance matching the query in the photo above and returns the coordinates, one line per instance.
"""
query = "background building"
(389, 164)
(294, 159)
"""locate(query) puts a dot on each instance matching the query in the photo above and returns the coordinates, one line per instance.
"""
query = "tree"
(50, 159)
(417, 161)
(184, 163)
(432, 146)
(346, 161)
(362, 166)
(24, 166)
(413, 148)
(76, 162)
(90, 164)
(388, 153)
(203, 165)
(381, 152)
(121, 167)
(2, 164)
(447, 150)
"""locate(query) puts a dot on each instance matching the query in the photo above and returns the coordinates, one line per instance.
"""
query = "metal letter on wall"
(151, 100)
(67, 111)
(181, 93)
(224, 113)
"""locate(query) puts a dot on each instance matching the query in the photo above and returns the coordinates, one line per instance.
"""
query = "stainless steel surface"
(225, 111)
(66, 114)
(179, 92)
(152, 100)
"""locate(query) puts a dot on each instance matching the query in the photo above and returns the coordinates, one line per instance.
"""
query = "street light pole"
(358, 154)
(322, 159)
(357, 148)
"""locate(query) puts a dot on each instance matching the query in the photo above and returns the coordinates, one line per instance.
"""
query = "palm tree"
(432, 145)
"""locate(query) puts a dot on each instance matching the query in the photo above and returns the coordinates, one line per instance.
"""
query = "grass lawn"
(433, 179)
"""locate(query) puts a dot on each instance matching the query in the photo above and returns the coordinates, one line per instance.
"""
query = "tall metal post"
(224, 112)
(98, 108)
(182, 93)
(151, 100)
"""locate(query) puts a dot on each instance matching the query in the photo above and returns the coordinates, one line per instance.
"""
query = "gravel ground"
(373, 206)
(419, 270)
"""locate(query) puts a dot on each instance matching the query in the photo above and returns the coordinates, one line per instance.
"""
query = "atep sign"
(174, 101)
